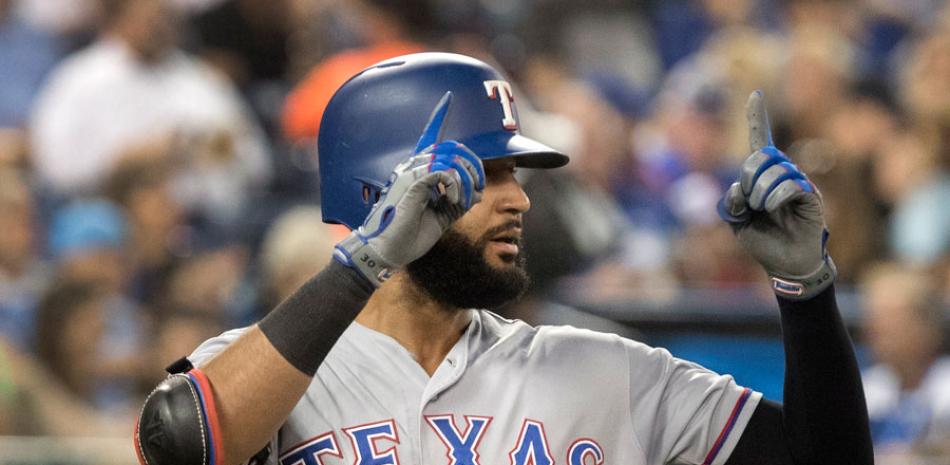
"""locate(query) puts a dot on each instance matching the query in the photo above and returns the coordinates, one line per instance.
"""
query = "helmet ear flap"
(371, 190)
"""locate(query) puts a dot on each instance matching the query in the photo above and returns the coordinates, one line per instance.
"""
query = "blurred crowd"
(158, 175)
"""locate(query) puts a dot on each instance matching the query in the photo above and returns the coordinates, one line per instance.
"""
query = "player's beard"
(455, 273)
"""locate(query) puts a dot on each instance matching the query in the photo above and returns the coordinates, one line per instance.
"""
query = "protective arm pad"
(178, 424)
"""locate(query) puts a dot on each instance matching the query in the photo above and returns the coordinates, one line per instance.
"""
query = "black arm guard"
(173, 426)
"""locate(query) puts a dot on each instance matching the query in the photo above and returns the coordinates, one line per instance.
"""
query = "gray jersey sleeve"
(211, 347)
(206, 351)
(683, 413)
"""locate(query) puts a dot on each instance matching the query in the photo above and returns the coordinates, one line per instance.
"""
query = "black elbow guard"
(178, 424)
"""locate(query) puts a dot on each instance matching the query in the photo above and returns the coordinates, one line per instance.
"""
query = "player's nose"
(512, 198)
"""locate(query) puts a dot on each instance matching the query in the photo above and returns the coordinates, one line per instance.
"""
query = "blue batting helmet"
(374, 121)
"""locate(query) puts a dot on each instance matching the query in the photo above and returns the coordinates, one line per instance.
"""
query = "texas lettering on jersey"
(369, 444)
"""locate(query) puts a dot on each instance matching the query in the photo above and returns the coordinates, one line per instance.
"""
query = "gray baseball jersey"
(508, 393)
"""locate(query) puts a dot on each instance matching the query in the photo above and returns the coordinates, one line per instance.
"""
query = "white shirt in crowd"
(102, 101)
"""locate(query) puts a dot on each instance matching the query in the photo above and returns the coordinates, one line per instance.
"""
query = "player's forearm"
(255, 389)
(824, 419)
(261, 380)
(825, 414)
(257, 380)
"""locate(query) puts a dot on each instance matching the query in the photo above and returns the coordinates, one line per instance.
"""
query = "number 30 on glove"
(776, 214)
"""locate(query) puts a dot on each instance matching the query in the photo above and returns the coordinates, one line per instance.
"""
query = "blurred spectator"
(87, 242)
(387, 28)
(246, 39)
(71, 329)
(909, 178)
(132, 87)
(26, 56)
(682, 151)
(926, 78)
(141, 185)
(924, 84)
(23, 276)
(816, 79)
(211, 283)
(33, 402)
(602, 150)
(297, 246)
(745, 59)
(868, 114)
(70, 319)
(908, 389)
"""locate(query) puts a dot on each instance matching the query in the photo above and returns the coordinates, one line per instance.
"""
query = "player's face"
(495, 222)
(478, 262)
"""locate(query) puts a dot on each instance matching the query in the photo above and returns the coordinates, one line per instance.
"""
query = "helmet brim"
(527, 152)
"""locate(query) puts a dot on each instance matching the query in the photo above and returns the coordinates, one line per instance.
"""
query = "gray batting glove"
(776, 213)
(424, 196)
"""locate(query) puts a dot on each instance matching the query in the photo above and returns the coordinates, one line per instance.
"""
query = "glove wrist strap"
(804, 288)
(356, 253)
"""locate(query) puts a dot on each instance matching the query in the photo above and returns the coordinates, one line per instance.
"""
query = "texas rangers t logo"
(501, 91)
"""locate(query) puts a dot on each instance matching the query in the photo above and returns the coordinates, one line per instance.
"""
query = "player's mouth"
(507, 243)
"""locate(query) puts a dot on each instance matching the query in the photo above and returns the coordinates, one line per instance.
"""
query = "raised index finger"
(760, 134)
(432, 134)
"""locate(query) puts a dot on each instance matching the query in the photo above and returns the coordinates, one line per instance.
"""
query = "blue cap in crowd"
(85, 226)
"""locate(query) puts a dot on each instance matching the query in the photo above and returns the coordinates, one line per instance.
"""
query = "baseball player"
(387, 357)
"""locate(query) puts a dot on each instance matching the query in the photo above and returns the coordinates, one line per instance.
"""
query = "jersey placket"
(447, 374)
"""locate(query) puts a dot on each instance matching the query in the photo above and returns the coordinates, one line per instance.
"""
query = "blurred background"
(158, 183)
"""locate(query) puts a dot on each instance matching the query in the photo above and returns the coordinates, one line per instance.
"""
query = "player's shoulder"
(551, 339)
(507, 327)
